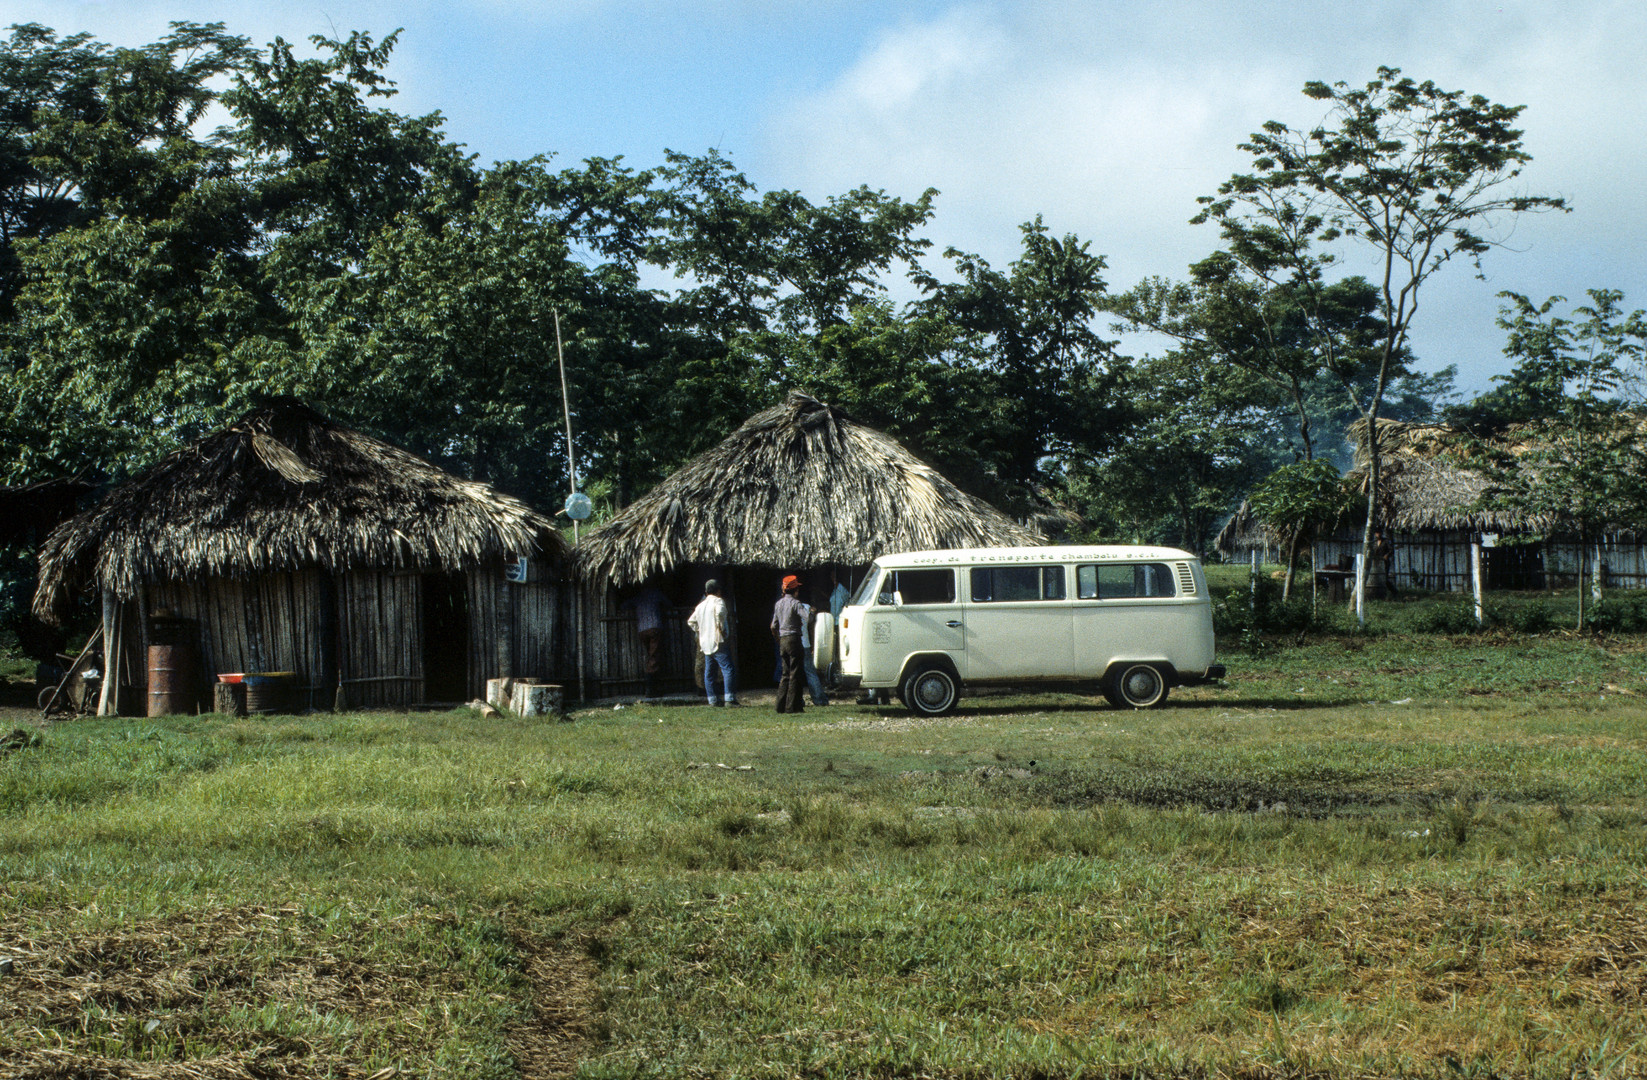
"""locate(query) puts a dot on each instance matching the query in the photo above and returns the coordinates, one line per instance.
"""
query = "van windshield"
(866, 591)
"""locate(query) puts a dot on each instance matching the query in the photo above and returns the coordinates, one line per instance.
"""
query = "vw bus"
(1134, 620)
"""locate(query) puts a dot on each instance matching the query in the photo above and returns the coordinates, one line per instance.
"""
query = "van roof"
(1049, 553)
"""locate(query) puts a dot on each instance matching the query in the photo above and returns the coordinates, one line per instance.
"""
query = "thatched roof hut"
(285, 489)
(298, 544)
(1243, 532)
(799, 487)
(799, 484)
(1424, 488)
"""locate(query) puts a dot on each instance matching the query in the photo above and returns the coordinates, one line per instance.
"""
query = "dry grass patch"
(561, 1026)
(269, 992)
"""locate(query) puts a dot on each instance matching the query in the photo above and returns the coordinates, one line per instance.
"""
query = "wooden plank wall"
(519, 629)
(276, 622)
(1441, 561)
(381, 628)
(615, 658)
(372, 622)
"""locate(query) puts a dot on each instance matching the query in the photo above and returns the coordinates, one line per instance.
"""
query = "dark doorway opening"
(1514, 566)
(754, 591)
(445, 637)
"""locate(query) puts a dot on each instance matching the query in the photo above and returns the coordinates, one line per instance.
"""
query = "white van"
(1135, 620)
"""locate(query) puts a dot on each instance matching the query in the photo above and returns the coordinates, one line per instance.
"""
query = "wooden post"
(1475, 579)
(109, 697)
(577, 604)
(1360, 589)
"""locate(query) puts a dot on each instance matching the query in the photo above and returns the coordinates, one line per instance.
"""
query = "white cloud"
(1110, 122)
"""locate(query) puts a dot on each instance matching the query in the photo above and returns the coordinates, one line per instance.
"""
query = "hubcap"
(1142, 684)
(932, 691)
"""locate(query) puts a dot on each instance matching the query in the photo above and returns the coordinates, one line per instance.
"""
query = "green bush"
(1451, 617)
(1534, 617)
(1619, 615)
(1248, 614)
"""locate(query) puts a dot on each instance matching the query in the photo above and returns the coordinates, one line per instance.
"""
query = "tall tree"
(1414, 174)
(1053, 378)
(1196, 438)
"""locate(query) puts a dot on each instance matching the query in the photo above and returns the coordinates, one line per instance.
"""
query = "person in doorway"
(709, 621)
(648, 605)
(1383, 553)
(787, 620)
(839, 597)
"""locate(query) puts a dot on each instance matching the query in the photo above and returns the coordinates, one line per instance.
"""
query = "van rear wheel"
(1136, 686)
(931, 691)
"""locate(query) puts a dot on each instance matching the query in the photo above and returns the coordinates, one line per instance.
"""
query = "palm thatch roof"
(800, 484)
(1243, 531)
(284, 489)
(1423, 486)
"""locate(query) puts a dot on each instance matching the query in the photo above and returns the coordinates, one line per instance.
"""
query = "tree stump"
(229, 698)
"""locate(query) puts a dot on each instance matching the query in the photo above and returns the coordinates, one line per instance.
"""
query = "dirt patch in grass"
(256, 992)
(1324, 797)
(563, 999)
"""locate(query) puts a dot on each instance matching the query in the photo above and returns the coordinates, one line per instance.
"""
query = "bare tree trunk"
(1372, 506)
(1595, 577)
(1315, 579)
(1583, 572)
(1292, 560)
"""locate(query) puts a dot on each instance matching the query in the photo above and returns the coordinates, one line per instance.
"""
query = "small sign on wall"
(516, 571)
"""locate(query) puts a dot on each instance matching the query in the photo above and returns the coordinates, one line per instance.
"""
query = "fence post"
(1360, 589)
(1475, 581)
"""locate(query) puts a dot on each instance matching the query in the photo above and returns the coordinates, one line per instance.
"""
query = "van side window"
(1109, 581)
(1003, 584)
(919, 586)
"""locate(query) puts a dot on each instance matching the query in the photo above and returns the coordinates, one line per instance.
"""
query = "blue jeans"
(813, 683)
(721, 658)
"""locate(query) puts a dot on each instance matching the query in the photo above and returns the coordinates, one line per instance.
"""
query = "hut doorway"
(754, 589)
(1514, 566)
(445, 637)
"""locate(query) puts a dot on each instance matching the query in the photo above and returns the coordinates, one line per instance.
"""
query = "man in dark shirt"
(786, 627)
(648, 606)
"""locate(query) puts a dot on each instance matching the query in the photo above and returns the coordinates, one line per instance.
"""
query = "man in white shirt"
(710, 623)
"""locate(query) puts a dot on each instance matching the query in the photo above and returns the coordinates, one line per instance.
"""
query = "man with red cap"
(787, 617)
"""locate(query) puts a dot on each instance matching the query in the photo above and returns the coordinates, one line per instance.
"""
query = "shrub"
(1530, 618)
(1619, 615)
(1248, 615)
(1449, 617)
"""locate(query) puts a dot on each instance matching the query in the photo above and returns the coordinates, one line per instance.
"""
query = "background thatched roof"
(800, 484)
(283, 489)
(1424, 489)
(1243, 531)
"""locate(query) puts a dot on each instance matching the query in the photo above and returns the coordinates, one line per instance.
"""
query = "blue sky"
(1107, 118)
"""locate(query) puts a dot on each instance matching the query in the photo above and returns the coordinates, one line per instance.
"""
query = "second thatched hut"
(799, 488)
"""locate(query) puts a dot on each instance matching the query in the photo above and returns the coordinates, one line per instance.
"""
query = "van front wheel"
(931, 691)
(1137, 686)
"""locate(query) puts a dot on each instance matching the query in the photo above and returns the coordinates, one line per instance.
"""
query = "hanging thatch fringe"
(800, 484)
(1423, 486)
(285, 490)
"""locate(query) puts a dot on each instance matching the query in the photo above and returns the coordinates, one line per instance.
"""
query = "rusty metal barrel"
(171, 680)
(174, 684)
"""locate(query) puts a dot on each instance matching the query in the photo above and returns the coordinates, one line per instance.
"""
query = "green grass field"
(1366, 856)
